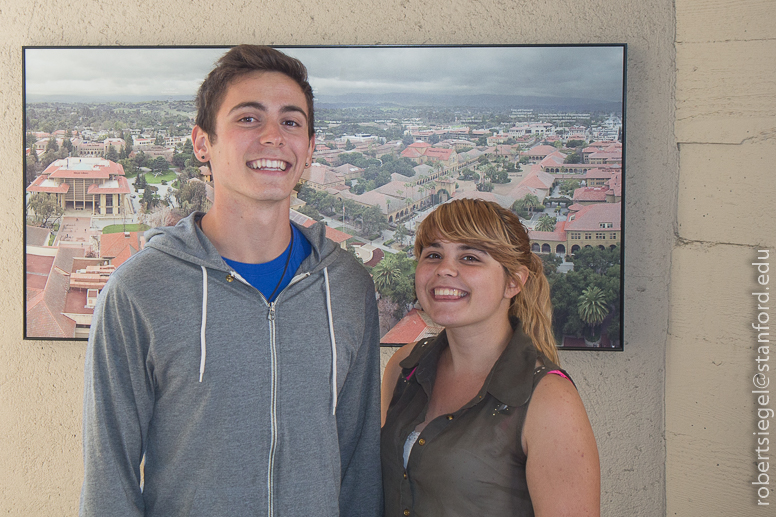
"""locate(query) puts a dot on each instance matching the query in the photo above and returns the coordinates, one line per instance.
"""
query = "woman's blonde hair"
(487, 226)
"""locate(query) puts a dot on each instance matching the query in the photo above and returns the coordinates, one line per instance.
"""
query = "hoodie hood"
(187, 242)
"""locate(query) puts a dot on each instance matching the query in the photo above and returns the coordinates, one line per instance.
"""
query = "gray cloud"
(589, 72)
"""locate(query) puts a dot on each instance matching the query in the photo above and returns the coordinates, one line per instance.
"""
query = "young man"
(238, 354)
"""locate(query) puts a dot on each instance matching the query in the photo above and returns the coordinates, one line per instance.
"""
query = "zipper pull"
(271, 315)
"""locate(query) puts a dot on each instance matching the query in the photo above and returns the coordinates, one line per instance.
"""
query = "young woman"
(481, 420)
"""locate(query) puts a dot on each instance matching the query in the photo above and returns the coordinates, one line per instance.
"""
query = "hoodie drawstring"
(332, 338)
(333, 341)
(203, 325)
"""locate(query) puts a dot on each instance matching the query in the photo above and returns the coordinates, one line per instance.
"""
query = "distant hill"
(470, 101)
(104, 99)
(354, 100)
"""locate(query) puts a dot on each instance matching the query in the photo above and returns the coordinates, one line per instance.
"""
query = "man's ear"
(201, 143)
(310, 149)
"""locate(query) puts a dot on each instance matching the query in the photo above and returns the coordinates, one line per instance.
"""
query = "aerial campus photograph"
(399, 130)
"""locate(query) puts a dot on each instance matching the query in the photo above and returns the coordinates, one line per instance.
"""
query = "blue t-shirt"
(266, 277)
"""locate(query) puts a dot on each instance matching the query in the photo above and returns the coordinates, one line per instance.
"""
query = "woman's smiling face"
(459, 285)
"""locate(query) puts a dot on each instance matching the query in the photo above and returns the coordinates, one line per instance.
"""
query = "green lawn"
(117, 228)
(344, 229)
(157, 180)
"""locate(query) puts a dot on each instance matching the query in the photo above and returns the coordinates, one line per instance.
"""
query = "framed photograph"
(538, 129)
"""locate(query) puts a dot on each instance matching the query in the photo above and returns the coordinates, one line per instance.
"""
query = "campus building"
(95, 185)
(595, 225)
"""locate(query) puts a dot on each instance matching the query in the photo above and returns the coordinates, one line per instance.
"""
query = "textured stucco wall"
(41, 382)
(726, 136)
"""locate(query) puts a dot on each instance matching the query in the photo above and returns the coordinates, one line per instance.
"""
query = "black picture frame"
(515, 100)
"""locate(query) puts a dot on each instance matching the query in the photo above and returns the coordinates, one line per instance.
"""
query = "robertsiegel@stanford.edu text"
(761, 380)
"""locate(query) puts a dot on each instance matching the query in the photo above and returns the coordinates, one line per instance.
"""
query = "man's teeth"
(268, 164)
(449, 292)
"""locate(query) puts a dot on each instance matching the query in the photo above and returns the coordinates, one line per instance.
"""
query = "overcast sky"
(583, 72)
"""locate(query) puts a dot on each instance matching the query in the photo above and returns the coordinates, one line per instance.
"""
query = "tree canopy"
(191, 197)
(45, 208)
(593, 267)
(546, 223)
(394, 278)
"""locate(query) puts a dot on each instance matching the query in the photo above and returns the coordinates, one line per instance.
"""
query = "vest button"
(406, 512)
(421, 442)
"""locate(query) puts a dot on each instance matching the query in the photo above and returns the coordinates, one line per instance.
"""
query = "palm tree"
(437, 165)
(386, 273)
(546, 223)
(530, 201)
(592, 307)
(422, 190)
(411, 186)
(400, 233)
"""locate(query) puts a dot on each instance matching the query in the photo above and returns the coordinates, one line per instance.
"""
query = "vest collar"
(510, 380)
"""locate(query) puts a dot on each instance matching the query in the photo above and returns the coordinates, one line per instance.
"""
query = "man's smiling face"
(261, 142)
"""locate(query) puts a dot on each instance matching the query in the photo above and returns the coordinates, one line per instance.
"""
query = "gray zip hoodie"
(241, 407)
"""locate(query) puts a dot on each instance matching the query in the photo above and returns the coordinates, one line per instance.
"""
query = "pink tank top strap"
(558, 372)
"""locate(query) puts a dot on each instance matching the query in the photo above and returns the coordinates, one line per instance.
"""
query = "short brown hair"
(241, 60)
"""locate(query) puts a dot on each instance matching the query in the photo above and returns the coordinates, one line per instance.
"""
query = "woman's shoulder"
(556, 406)
(400, 355)
(408, 356)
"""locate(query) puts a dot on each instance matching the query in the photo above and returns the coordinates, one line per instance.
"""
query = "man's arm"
(118, 403)
(358, 424)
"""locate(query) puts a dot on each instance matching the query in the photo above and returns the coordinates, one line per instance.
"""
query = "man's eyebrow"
(294, 108)
(251, 104)
(261, 107)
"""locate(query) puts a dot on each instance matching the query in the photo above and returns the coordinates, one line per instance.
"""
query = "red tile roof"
(595, 194)
(331, 233)
(555, 158)
(598, 173)
(412, 327)
(49, 186)
(347, 168)
(118, 247)
(540, 150)
(606, 155)
(537, 179)
(121, 187)
(321, 175)
(411, 153)
(615, 183)
(439, 154)
(36, 236)
(92, 168)
(590, 217)
(44, 311)
(37, 270)
(559, 235)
